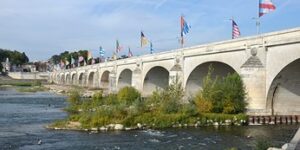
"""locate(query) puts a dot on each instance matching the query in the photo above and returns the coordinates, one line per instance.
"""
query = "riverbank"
(66, 89)
(5, 80)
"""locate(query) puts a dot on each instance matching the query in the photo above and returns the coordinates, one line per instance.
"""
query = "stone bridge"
(269, 65)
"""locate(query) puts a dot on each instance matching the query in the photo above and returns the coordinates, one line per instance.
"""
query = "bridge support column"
(137, 79)
(253, 74)
(176, 75)
(95, 80)
(112, 82)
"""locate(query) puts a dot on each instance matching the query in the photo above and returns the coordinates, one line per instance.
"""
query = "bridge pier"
(253, 73)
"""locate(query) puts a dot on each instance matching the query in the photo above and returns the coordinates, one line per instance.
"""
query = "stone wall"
(29, 75)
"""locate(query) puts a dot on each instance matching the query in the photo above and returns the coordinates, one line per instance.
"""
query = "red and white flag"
(265, 6)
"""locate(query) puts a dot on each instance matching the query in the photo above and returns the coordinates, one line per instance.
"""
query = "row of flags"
(265, 6)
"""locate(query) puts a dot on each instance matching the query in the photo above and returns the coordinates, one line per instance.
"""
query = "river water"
(23, 117)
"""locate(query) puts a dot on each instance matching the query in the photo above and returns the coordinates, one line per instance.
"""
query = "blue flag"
(151, 48)
(101, 51)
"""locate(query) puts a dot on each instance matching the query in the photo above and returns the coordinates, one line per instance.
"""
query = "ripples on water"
(24, 115)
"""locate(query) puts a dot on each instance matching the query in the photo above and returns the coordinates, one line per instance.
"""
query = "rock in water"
(119, 127)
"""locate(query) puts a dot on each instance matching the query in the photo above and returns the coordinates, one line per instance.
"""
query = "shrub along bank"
(220, 102)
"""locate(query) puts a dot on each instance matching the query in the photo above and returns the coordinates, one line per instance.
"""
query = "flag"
(151, 48)
(185, 28)
(118, 47)
(144, 40)
(129, 52)
(62, 64)
(80, 59)
(265, 6)
(89, 55)
(235, 30)
(101, 51)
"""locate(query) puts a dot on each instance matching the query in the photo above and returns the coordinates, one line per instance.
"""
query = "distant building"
(29, 67)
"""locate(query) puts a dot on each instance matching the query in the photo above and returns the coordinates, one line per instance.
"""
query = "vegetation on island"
(15, 57)
(220, 102)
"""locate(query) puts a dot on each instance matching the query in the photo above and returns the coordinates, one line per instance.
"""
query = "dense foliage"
(221, 95)
(66, 56)
(15, 57)
(164, 108)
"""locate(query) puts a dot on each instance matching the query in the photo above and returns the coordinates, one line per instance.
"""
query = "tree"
(222, 95)
(1, 67)
(15, 57)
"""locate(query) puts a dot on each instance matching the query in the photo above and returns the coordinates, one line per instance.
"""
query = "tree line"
(15, 57)
(67, 56)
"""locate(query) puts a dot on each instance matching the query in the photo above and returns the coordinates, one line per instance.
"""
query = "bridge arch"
(73, 78)
(104, 80)
(91, 79)
(156, 78)
(124, 79)
(81, 79)
(284, 93)
(195, 78)
(68, 78)
(62, 78)
(57, 79)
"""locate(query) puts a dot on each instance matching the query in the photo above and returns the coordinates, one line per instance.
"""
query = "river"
(23, 117)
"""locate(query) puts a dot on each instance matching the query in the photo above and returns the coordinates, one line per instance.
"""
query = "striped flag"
(235, 30)
(129, 52)
(118, 47)
(265, 6)
(144, 40)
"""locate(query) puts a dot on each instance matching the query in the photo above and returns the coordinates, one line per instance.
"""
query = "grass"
(21, 82)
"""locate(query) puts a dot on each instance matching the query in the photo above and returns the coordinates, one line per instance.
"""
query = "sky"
(42, 28)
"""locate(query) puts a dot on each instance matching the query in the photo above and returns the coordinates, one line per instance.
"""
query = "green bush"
(128, 95)
(111, 99)
(221, 95)
(74, 98)
(171, 97)
(189, 109)
(97, 99)
(203, 105)
(138, 107)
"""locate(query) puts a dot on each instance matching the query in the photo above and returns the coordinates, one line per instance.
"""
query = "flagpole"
(257, 23)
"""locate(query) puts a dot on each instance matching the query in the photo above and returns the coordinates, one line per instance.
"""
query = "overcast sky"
(42, 28)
